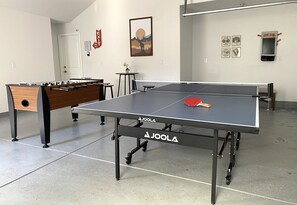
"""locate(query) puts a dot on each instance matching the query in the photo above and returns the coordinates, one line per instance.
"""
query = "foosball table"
(46, 96)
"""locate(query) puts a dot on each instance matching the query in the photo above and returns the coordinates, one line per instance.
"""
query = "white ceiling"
(58, 10)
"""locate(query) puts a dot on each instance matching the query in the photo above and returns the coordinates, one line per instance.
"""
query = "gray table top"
(127, 73)
(233, 107)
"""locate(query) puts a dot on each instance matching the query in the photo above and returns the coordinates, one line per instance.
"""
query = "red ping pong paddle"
(195, 102)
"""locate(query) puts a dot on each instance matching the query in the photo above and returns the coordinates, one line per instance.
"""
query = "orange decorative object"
(98, 42)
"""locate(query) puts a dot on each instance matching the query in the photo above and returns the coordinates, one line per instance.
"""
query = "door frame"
(61, 59)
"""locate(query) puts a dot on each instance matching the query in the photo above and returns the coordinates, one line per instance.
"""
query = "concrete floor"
(78, 167)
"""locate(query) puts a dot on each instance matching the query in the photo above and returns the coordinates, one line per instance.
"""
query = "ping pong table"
(234, 109)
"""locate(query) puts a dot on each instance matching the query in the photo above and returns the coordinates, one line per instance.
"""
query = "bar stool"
(111, 91)
(125, 74)
(146, 87)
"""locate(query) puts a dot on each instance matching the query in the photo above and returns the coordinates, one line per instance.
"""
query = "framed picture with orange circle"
(141, 36)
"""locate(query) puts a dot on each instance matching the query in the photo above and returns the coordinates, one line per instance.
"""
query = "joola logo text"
(146, 119)
(163, 137)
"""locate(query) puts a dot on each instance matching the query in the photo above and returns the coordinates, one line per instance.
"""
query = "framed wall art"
(231, 46)
(141, 36)
(236, 52)
(236, 40)
(226, 40)
(225, 52)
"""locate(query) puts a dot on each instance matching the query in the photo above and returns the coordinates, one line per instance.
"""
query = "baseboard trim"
(286, 105)
(4, 114)
(281, 105)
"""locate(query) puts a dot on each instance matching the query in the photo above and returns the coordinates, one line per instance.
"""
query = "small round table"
(125, 74)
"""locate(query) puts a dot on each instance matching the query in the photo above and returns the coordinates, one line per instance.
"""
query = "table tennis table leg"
(167, 126)
(232, 159)
(139, 145)
(224, 144)
(238, 140)
(214, 167)
(117, 149)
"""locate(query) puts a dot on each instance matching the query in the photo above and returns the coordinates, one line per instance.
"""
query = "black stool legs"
(111, 90)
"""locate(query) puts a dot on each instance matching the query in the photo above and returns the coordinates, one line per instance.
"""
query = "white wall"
(186, 47)
(30, 42)
(113, 18)
(26, 42)
(55, 32)
(207, 32)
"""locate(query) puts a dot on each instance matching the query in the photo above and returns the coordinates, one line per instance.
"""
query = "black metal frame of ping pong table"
(186, 139)
(114, 108)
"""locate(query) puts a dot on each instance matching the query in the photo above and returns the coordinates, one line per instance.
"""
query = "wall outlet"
(13, 65)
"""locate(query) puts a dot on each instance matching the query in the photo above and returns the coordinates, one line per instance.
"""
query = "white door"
(70, 56)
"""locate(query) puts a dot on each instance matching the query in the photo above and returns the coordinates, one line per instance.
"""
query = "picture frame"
(236, 40)
(225, 52)
(236, 52)
(141, 36)
(226, 41)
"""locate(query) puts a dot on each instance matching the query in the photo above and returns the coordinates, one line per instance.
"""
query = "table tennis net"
(195, 87)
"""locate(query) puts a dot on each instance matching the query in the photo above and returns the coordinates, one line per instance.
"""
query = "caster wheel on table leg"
(228, 178)
(113, 135)
(228, 181)
(128, 159)
(144, 148)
